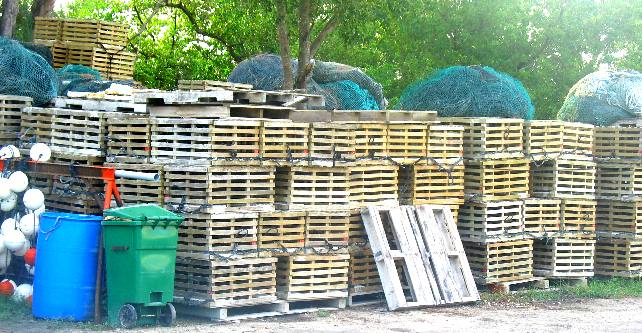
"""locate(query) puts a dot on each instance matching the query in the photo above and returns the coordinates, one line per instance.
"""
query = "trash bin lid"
(143, 212)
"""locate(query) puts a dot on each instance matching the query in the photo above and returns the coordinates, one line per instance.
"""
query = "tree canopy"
(547, 44)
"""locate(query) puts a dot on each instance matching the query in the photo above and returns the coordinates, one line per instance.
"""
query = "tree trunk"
(8, 19)
(42, 7)
(284, 44)
(305, 27)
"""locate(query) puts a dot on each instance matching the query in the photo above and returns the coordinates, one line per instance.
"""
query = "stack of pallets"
(618, 250)
(560, 215)
(97, 44)
(495, 183)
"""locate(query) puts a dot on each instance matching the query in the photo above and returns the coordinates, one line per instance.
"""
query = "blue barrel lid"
(71, 216)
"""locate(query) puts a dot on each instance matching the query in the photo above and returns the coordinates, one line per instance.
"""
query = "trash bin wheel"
(127, 316)
(169, 315)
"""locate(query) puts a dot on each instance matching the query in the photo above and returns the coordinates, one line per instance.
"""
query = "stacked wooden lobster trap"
(619, 205)
(530, 205)
(273, 193)
(99, 45)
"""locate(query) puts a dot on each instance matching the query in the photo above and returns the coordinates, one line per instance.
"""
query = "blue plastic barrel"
(66, 262)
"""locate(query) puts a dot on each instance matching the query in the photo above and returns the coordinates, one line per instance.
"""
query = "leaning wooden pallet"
(417, 234)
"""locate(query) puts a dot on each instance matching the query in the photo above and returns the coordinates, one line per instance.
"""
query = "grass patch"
(13, 311)
(597, 288)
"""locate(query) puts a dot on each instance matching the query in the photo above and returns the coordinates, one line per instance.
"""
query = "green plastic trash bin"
(140, 252)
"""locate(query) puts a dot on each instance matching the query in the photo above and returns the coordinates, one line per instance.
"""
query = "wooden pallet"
(182, 98)
(363, 277)
(373, 185)
(491, 221)
(508, 287)
(244, 94)
(10, 114)
(445, 142)
(618, 257)
(543, 139)
(419, 247)
(312, 276)
(496, 179)
(616, 179)
(35, 126)
(578, 218)
(407, 141)
(204, 141)
(305, 188)
(105, 104)
(371, 139)
(490, 137)
(563, 178)
(500, 262)
(619, 218)
(79, 132)
(434, 181)
(542, 217)
(260, 310)
(327, 231)
(332, 144)
(577, 141)
(229, 235)
(228, 188)
(211, 85)
(281, 232)
(71, 204)
(225, 284)
(381, 116)
(134, 191)
(128, 139)
(284, 142)
(562, 257)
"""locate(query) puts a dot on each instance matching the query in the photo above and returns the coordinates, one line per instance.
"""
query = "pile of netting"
(344, 87)
(603, 98)
(473, 91)
(25, 73)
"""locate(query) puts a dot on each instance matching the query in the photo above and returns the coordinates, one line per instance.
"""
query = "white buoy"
(22, 292)
(18, 182)
(21, 252)
(9, 151)
(40, 152)
(8, 225)
(14, 240)
(29, 224)
(3, 248)
(10, 203)
(30, 269)
(39, 211)
(5, 189)
(33, 199)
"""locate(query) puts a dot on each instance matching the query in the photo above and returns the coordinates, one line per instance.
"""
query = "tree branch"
(305, 9)
(191, 17)
(284, 44)
(327, 29)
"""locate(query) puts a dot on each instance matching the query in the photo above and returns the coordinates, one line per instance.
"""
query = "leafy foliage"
(547, 44)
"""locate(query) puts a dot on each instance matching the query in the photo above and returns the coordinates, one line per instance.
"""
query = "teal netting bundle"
(344, 87)
(77, 78)
(25, 73)
(473, 91)
(603, 98)
(346, 95)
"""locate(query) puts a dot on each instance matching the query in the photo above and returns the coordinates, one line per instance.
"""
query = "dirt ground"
(600, 315)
